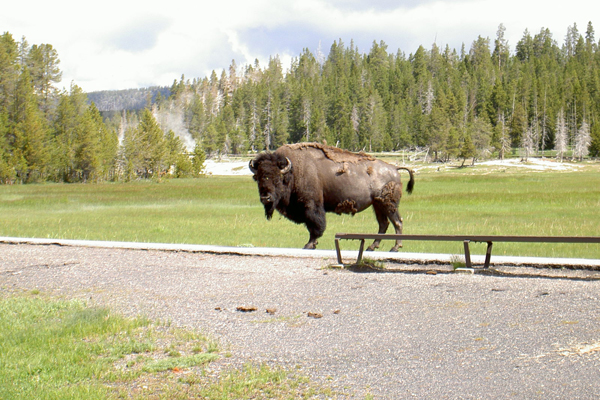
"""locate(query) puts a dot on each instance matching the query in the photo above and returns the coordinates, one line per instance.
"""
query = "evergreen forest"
(541, 97)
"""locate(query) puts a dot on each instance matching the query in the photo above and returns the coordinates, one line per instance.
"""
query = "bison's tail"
(411, 182)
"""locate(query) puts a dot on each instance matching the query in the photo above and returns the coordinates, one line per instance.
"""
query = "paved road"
(393, 334)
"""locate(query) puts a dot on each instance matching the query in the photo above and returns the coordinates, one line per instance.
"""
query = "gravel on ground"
(404, 332)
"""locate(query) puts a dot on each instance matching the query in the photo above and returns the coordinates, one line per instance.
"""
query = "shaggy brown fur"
(333, 153)
(346, 207)
(389, 196)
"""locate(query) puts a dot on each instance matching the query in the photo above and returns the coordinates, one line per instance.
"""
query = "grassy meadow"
(225, 210)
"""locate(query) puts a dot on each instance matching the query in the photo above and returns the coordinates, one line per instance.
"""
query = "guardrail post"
(467, 254)
(488, 255)
(360, 251)
(338, 251)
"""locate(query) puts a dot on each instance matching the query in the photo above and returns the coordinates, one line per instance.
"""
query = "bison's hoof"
(395, 248)
(310, 246)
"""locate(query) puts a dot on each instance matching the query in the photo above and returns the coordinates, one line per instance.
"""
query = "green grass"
(226, 211)
(59, 349)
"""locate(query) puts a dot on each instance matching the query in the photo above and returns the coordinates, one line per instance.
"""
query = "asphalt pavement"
(408, 331)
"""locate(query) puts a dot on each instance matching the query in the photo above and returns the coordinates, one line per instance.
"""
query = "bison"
(304, 181)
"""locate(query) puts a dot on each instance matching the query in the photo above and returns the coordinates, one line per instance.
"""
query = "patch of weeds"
(368, 265)
(332, 267)
(264, 382)
(213, 347)
(179, 362)
(173, 353)
(208, 347)
(457, 262)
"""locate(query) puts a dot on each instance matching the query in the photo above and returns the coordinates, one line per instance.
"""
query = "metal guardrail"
(466, 239)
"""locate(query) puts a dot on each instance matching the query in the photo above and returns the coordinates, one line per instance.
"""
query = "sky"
(109, 45)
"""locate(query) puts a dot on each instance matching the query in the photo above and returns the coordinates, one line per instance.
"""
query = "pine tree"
(253, 126)
(95, 147)
(280, 127)
(571, 41)
(69, 114)
(144, 149)
(528, 145)
(8, 71)
(561, 135)
(481, 135)
(210, 140)
(268, 122)
(437, 128)
(467, 149)
(7, 172)
(453, 147)
(87, 156)
(177, 160)
(197, 118)
(198, 160)
(108, 144)
(583, 140)
(502, 139)
(524, 48)
(42, 62)
(501, 49)
(30, 134)
(595, 141)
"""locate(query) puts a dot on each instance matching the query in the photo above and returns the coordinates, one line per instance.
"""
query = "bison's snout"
(269, 203)
(266, 199)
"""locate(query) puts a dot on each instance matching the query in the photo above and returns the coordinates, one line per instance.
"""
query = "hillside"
(128, 99)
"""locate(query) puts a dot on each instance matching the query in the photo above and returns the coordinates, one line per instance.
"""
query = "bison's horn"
(287, 168)
(252, 166)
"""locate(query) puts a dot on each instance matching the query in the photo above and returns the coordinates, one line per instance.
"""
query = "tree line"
(128, 99)
(487, 101)
(52, 135)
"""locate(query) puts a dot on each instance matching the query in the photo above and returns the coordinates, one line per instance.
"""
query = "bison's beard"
(269, 210)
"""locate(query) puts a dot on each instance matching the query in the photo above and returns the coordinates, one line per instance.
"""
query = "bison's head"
(272, 173)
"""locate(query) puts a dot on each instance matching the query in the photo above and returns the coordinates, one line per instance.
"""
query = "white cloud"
(122, 44)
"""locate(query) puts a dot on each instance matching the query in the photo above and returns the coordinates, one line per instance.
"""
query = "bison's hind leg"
(382, 220)
(386, 211)
(397, 222)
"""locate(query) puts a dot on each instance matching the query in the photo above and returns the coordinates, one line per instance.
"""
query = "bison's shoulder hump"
(333, 153)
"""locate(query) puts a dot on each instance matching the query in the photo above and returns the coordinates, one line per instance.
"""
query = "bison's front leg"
(315, 223)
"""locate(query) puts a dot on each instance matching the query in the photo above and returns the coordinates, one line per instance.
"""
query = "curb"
(400, 257)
